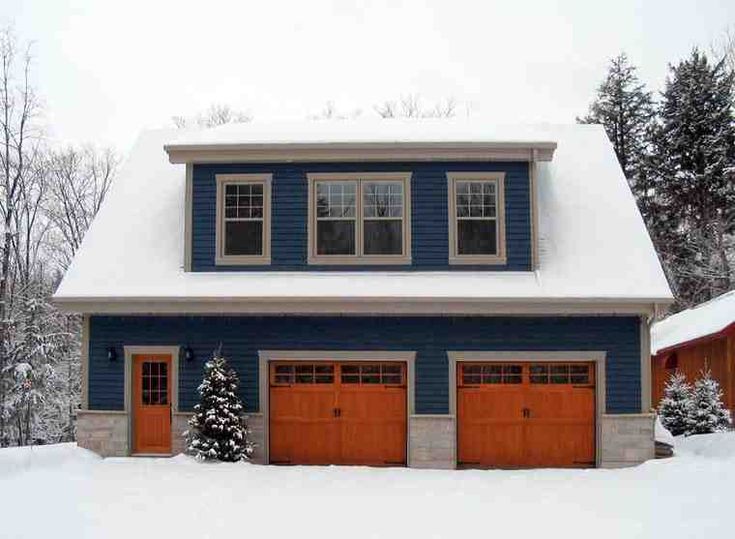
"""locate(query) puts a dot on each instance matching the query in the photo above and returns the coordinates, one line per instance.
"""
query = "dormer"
(395, 195)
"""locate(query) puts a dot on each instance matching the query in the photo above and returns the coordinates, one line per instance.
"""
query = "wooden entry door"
(525, 415)
(152, 403)
(332, 413)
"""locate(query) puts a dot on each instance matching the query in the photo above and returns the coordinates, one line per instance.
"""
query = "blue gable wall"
(430, 337)
(428, 207)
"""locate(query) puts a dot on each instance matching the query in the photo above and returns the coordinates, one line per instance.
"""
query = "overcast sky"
(106, 70)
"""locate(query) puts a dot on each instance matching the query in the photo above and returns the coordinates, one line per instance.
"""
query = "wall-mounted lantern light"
(188, 354)
(111, 354)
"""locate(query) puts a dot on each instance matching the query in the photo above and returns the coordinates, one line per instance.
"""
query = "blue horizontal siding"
(430, 337)
(429, 227)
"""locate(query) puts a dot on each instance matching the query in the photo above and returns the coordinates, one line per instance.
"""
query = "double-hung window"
(476, 218)
(243, 219)
(359, 218)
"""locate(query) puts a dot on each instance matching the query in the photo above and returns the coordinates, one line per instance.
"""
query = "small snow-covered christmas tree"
(708, 412)
(676, 406)
(218, 429)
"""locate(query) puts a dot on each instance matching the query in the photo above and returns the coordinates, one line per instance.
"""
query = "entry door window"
(155, 383)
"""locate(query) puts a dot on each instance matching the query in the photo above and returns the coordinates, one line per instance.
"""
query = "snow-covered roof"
(707, 319)
(361, 139)
(365, 130)
(593, 244)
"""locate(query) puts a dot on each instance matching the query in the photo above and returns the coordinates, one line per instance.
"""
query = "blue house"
(423, 293)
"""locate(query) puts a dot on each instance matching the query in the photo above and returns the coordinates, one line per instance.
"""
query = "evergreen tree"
(218, 429)
(626, 110)
(708, 411)
(695, 165)
(676, 406)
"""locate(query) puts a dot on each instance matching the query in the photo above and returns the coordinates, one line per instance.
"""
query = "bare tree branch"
(216, 114)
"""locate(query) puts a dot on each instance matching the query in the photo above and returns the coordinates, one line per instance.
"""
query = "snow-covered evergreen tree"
(695, 165)
(708, 412)
(218, 430)
(676, 407)
(625, 108)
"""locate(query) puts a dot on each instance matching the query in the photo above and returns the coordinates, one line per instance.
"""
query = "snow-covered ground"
(63, 491)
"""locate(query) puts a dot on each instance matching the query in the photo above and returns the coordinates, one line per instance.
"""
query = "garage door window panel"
(559, 374)
(385, 374)
(492, 374)
(303, 374)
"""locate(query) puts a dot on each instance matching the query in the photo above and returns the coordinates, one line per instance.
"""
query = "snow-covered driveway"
(63, 491)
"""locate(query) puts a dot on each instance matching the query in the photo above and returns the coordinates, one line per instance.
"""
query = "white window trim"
(499, 179)
(358, 258)
(222, 259)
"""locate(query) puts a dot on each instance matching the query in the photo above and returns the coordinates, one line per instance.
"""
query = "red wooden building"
(694, 340)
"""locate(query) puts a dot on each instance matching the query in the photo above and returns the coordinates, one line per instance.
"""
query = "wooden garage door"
(524, 415)
(332, 413)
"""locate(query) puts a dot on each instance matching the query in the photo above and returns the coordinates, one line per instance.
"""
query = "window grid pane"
(498, 373)
(561, 373)
(244, 219)
(154, 382)
(476, 217)
(476, 200)
(382, 200)
(366, 373)
(336, 214)
(244, 202)
(336, 200)
(308, 373)
(380, 205)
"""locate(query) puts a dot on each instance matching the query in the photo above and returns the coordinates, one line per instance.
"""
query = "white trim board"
(376, 151)
(350, 305)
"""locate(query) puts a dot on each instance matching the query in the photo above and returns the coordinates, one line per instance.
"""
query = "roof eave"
(368, 151)
(360, 306)
(724, 332)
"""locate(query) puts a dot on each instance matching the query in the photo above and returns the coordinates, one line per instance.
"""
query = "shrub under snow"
(698, 409)
(708, 412)
(676, 406)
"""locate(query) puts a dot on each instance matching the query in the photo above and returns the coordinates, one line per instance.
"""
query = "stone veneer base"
(105, 433)
(625, 440)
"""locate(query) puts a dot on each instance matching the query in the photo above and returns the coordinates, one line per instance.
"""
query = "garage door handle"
(526, 413)
(337, 412)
